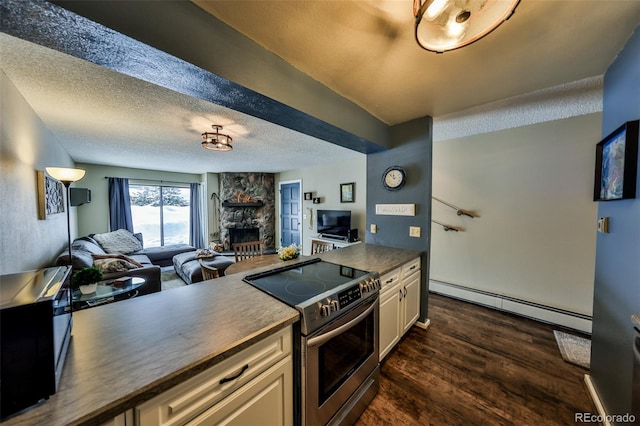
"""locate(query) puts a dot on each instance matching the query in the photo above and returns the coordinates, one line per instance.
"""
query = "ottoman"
(187, 266)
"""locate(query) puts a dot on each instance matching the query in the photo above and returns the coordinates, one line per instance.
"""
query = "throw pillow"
(120, 241)
(113, 265)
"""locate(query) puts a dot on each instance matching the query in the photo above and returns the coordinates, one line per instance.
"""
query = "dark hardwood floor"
(477, 366)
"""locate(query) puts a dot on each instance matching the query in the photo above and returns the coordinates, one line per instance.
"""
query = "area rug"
(574, 349)
(169, 279)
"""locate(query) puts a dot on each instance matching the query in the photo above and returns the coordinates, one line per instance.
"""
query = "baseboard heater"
(537, 311)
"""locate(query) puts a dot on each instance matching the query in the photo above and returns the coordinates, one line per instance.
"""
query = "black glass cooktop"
(303, 281)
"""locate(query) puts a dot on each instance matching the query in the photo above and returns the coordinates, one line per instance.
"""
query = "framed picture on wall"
(617, 164)
(346, 192)
(50, 195)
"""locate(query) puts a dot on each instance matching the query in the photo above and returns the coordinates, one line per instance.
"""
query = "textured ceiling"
(363, 50)
(366, 51)
(103, 117)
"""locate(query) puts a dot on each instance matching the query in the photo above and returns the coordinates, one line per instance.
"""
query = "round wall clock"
(394, 178)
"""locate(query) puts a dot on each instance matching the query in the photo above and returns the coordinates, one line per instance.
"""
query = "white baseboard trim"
(596, 400)
(423, 325)
(520, 307)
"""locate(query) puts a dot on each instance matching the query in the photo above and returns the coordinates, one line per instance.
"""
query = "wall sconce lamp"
(443, 25)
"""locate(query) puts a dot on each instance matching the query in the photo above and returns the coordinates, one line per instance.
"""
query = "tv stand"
(337, 243)
(332, 238)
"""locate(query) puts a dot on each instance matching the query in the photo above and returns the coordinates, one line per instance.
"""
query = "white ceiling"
(366, 50)
(363, 50)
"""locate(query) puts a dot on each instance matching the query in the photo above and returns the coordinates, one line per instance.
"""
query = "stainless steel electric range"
(338, 372)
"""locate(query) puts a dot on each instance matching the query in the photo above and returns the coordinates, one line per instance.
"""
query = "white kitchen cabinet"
(265, 400)
(124, 419)
(399, 304)
(234, 391)
(389, 331)
(410, 303)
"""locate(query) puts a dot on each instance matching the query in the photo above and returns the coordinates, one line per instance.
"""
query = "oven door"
(337, 361)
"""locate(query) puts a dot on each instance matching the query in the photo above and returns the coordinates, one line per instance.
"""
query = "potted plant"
(86, 280)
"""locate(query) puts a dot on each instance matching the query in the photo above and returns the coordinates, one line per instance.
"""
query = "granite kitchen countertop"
(124, 353)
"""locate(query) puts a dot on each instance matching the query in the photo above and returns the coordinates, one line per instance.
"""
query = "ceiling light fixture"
(443, 25)
(216, 141)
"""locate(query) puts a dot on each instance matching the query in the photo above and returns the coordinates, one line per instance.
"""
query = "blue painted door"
(290, 214)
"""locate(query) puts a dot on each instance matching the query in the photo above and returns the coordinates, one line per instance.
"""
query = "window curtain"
(195, 228)
(119, 205)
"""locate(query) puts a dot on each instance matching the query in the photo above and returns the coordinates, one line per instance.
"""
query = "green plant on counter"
(86, 276)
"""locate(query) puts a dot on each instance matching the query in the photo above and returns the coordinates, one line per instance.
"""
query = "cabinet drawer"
(266, 400)
(188, 399)
(410, 267)
(389, 279)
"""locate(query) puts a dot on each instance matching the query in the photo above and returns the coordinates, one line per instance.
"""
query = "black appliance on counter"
(35, 330)
(337, 367)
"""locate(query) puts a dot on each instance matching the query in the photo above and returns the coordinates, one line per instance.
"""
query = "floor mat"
(574, 349)
(169, 279)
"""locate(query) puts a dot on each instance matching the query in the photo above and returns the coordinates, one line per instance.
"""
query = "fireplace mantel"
(248, 204)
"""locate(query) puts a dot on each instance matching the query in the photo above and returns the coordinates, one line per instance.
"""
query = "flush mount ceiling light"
(216, 141)
(443, 25)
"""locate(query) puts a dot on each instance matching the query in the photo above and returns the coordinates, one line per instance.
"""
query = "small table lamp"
(67, 177)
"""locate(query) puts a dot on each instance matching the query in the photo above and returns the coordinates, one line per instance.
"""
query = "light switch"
(603, 225)
(414, 231)
(373, 228)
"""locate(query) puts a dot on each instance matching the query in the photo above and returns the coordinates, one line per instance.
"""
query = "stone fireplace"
(242, 235)
(252, 219)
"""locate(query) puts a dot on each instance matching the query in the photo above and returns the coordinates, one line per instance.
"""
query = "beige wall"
(26, 146)
(93, 218)
(532, 188)
(324, 181)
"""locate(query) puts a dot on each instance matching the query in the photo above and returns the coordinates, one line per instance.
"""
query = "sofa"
(121, 253)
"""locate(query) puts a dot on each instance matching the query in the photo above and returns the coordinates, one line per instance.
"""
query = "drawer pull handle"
(232, 378)
(389, 281)
(413, 267)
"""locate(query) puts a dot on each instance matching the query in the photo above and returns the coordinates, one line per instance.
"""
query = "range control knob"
(377, 284)
(334, 305)
(325, 310)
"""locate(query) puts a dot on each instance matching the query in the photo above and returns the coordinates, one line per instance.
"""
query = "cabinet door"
(124, 419)
(389, 329)
(266, 400)
(411, 300)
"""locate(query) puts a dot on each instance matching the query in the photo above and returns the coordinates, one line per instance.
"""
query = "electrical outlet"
(414, 231)
(373, 228)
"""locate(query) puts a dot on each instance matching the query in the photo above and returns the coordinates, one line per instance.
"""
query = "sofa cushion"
(163, 255)
(81, 259)
(120, 241)
(87, 244)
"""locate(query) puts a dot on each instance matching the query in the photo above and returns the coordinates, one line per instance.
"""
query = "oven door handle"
(317, 341)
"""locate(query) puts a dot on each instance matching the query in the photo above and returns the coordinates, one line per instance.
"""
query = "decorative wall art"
(308, 196)
(346, 192)
(50, 196)
(617, 164)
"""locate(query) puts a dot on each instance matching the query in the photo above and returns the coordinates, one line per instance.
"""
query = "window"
(160, 213)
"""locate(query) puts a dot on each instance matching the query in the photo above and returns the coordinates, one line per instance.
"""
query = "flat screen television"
(334, 223)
